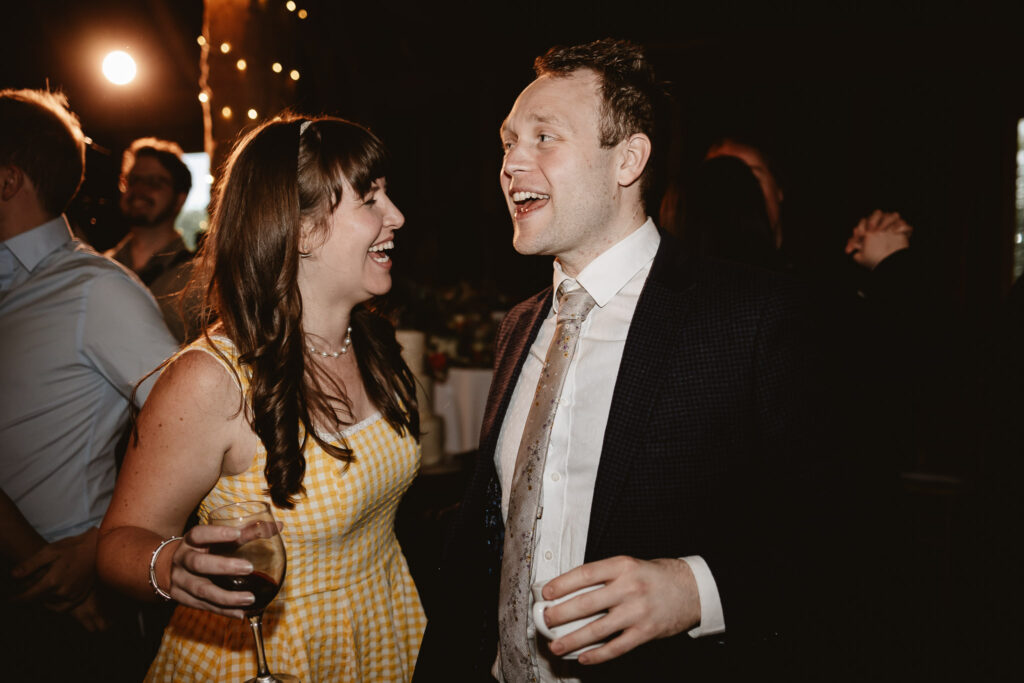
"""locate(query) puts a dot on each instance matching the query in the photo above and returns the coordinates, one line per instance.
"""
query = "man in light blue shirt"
(77, 332)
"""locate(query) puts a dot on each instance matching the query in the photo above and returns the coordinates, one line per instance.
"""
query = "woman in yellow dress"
(297, 395)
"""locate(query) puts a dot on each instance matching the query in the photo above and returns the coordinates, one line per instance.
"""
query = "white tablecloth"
(460, 401)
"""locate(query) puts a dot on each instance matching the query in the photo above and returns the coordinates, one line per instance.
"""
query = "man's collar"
(611, 270)
(32, 246)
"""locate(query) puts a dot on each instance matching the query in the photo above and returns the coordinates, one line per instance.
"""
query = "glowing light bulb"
(276, 67)
(201, 40)
(203, 97)
(290, 6)
(226, 112)
(294, 74)
(119, 67)
(241, 64)
(225, 47)
(303, 14)
(252, 113)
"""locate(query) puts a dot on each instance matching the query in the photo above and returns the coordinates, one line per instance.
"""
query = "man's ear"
(11, 181)
(636, 151)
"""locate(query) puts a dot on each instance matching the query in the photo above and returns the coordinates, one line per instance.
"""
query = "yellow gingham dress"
(348, 609)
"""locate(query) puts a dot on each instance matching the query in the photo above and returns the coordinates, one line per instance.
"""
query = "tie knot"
(573, 304)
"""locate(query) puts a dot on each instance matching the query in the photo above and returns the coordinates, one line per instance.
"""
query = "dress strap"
(224, 352)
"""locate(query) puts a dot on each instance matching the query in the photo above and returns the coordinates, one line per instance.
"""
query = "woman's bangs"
(359, 159)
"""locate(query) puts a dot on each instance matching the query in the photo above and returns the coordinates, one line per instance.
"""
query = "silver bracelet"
(152, 568)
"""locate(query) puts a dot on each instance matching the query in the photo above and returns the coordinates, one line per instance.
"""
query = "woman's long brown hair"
(278, 180)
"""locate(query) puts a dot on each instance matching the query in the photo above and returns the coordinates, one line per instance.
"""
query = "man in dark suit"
(679, 449)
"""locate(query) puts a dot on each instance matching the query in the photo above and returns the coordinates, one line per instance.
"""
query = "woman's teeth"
(378, 254)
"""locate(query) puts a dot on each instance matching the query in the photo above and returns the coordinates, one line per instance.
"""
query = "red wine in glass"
(263, 588)
(260, 543)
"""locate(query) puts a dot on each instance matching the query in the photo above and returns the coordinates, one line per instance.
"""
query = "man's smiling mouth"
(527, 201)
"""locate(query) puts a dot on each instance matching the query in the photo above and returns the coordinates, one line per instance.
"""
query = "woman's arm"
(191, 431)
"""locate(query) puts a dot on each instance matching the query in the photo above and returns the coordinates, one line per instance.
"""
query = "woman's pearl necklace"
(333, 354)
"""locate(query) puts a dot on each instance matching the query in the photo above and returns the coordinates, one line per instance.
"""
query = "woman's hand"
(192, 564)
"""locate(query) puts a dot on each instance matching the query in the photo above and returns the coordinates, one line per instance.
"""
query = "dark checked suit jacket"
(709, 450)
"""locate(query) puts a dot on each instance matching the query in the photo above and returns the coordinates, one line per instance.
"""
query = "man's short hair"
(168, 153)
(41, 136)
(628, 85)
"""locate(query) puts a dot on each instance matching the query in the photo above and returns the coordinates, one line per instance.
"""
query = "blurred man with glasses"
(154, 184)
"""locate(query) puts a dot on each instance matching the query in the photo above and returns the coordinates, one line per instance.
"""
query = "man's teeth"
(518, 197)
(383, 245)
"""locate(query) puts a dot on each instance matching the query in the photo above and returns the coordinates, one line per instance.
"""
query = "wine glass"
(260, 543)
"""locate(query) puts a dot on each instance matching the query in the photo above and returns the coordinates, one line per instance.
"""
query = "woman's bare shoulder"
(202, 379)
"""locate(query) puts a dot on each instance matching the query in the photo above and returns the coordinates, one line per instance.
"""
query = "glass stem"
(256, 622)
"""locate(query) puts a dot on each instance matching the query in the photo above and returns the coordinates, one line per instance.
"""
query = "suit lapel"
(521, 335)
(654, 335)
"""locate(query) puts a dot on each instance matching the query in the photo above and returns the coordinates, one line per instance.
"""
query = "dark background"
(911, 107)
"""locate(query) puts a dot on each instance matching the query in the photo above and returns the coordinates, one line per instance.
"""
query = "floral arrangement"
(460, 322)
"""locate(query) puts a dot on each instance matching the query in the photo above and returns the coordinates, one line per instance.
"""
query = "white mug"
(540, 604)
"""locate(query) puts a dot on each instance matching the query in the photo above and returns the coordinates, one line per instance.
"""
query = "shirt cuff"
(712, 618)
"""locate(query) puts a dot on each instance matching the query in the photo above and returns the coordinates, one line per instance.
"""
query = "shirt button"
(547, 555)
(555, 476)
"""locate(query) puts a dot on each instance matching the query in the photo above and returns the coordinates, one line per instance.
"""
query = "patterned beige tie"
(524, 500)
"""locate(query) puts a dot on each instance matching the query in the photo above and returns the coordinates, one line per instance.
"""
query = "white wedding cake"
(413, 344)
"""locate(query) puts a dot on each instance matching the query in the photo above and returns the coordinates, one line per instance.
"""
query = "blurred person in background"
(154, 185)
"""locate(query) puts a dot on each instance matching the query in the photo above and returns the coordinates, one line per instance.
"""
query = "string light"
(242, 65)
